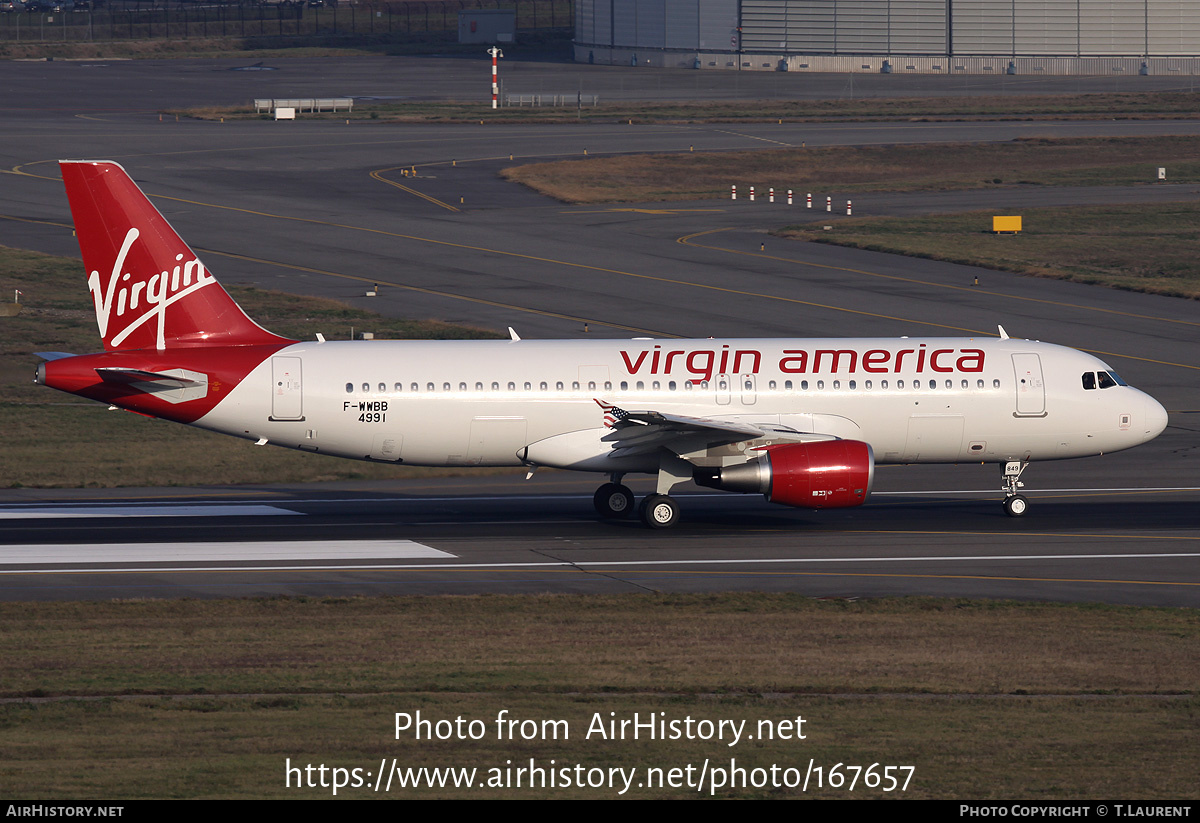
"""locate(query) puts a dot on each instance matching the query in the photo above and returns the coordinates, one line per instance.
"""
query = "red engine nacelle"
(830, 474)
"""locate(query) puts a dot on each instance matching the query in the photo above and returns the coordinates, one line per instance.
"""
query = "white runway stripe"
(64, 512)
(292, 550)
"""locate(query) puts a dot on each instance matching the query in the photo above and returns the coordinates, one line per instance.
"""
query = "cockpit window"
(1102, 380)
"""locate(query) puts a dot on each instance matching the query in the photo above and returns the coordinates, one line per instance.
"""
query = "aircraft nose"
(1156, 418)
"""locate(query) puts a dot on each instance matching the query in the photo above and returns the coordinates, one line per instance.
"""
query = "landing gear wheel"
(613, 501)
(1015, 506)
(658, 511)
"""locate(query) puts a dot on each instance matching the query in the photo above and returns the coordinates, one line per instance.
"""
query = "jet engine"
(828, 474)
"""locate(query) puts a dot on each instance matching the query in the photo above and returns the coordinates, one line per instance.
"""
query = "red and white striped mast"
(495, 53)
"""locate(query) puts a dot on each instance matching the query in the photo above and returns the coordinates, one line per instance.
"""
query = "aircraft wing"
(640, 432)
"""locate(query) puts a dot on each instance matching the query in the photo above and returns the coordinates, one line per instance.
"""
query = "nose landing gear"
(1015, 504)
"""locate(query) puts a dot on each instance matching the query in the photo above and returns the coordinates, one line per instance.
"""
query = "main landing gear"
(659, 511)
(615, 502)
(1015, 504)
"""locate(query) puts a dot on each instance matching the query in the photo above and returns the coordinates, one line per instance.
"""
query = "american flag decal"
(612, 414)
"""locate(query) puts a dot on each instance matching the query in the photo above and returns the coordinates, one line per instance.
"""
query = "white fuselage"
(508, 403)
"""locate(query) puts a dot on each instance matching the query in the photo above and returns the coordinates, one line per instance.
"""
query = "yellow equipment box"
(1006, 224)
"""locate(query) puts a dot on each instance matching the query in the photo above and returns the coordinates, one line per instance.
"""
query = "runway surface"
(320, 208)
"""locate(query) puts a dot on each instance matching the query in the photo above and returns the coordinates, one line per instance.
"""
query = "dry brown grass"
(961, 747)
(677, 643)
(704, 175)
(986, 700)
(1146, 248)
(1126, 106)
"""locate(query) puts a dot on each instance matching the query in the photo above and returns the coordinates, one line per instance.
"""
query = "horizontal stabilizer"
(115, 374)
(52, 355)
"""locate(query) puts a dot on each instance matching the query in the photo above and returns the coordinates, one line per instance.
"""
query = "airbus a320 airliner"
(803, 422)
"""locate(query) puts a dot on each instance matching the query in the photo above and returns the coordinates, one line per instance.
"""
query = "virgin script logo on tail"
(144, 298)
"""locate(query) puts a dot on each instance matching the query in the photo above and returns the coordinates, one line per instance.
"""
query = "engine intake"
(830, 474)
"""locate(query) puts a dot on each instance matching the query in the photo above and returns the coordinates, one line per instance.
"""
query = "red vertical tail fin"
(149, 289)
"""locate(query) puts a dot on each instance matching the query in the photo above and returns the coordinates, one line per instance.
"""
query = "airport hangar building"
(1021, 37)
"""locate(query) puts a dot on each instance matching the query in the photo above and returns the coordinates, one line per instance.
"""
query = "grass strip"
(986, 699)
(558, 643)
(52, 439)
(1017, 107)
(707, 175)
(1144, 248)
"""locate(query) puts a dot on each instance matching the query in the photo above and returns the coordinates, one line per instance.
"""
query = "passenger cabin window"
(349, 388)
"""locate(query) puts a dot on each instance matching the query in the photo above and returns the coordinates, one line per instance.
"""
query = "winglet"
(1003, 333)
(512, 334)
